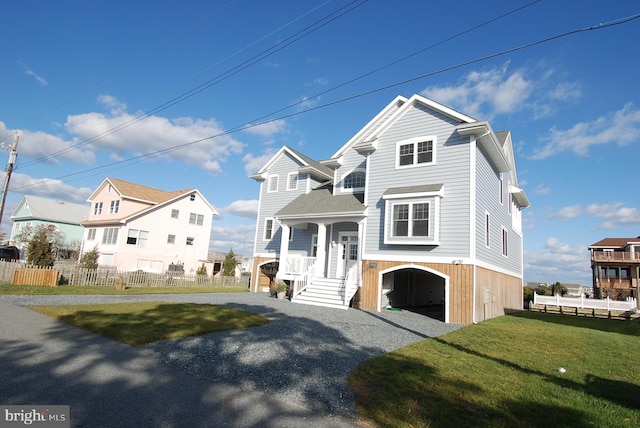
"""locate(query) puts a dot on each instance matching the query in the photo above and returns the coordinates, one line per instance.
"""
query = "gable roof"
(34, 207)
(154, 198)
(614, 243)
(392, 113)
(309, 166)
(138, 192)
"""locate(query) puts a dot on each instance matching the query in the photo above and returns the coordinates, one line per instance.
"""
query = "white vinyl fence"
(583, 303)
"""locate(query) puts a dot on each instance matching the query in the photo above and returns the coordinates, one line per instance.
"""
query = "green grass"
(140, 323)
(86, 290)
(504, 373)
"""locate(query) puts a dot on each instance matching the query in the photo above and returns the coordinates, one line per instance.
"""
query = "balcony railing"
(615, 256)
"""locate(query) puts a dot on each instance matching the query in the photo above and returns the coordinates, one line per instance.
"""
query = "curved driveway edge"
(286, 373)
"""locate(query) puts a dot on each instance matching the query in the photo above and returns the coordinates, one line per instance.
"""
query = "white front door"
(347, 252)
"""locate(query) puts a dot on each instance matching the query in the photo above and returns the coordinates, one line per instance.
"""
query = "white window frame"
(414, 142)
(171, 239)
(272, 229)
(137, 237)
(353, 189)
(97, 208)
(505, 242)
(175, 213)
(292, 181)
(487, 229)
(91, 234)
(114, 206)
(501, 193)
(273, 181)
(190, 240)
(430, 198)
(110, 236)
(197, 219)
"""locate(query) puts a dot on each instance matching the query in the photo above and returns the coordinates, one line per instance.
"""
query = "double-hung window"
(268, 229)
(138, 237)
(114, 206)
(110, 235)
(195, 218)
(411, 215)
(415, 152)
(273, 183)
(97, 208)
(292, 181)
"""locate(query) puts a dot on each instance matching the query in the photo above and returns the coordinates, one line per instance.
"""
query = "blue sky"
(158, 95)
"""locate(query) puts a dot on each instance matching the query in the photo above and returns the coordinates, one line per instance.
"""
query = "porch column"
(321, 252)
(360, 249)
(284, 249)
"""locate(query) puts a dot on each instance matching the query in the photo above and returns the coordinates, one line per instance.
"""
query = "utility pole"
(12, 159)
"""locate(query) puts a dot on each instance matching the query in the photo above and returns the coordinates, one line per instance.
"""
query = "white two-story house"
(137, 227)
(420, 210)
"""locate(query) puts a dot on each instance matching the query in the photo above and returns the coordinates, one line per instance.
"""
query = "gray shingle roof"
(322, 202)
(413, 189)
(52, 210)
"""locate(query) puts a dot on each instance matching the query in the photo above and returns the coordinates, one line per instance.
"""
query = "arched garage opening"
(416, 289)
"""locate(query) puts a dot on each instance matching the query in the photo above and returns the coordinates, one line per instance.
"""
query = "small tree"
(229, 264)
(54, 237)
(89, 259)
(40, 248)
(202, 270)
(558, 288)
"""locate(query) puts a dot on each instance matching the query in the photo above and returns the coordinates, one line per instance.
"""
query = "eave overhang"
(488, 141)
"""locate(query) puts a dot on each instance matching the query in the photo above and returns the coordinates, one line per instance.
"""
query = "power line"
(317, 25)
(249, 125)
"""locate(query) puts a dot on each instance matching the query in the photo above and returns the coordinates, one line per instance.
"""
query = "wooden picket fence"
(71, 274)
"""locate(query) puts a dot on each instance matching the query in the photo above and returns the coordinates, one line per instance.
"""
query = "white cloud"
(52, 188)
(621, 127)
(29, 72)
(566, 91)
(268, 129)
(243, 208)
(614, 215)
(558, 262)
(48, 148)
(173, 139)
(240, 239)
(113, 103)
(253, 163)
(485, 93)
(321, 81)
(541, 189)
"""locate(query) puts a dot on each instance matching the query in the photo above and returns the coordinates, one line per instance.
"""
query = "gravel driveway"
(303, 356)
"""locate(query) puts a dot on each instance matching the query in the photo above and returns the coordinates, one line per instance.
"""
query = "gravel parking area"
(303, 356)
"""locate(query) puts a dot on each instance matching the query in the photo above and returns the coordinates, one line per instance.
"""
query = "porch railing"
(350, 283)
(296, 265)
(615, 256)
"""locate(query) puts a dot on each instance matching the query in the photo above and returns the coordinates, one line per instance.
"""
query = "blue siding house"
(420, 210)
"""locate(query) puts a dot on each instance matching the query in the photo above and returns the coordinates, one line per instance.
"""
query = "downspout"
(473, 144)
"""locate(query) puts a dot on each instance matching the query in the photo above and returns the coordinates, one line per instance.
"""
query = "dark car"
(9, 254)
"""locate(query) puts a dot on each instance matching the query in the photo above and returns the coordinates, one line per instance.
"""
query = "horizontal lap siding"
(460, 287)
(451, 169)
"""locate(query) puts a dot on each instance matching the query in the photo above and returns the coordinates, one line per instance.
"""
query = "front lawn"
(526, 370)
(145, 322)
